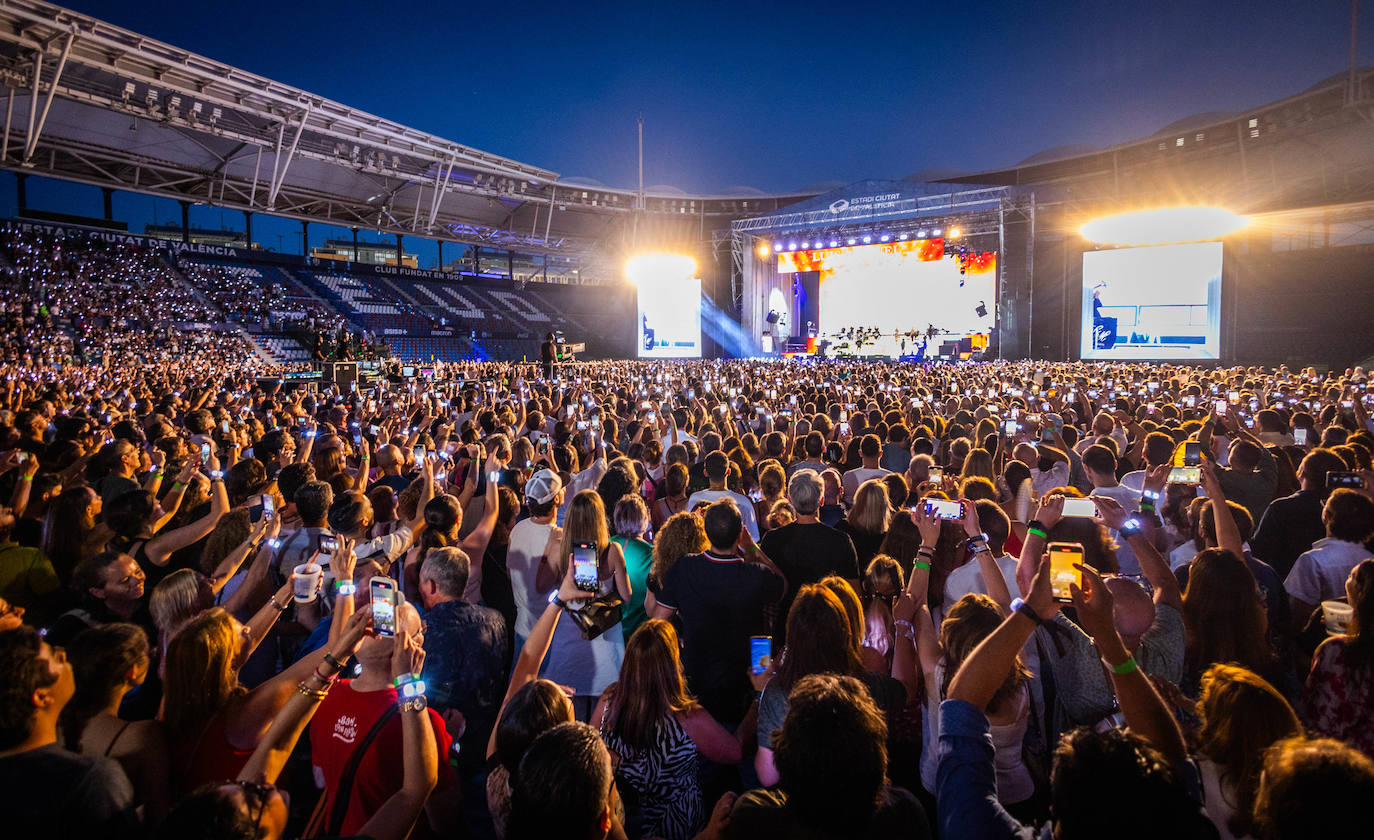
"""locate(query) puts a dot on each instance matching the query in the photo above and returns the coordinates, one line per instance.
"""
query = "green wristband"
(1127, 667)
(924, 566)
(1033, 531)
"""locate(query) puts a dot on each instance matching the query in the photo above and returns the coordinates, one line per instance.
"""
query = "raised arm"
(160, 548)
(1152, 563)
(1049, 514)
(396, 817)
(1228, 534)
(1144, 711)
(987, 564)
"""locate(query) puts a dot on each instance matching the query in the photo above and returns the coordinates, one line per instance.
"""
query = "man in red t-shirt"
(345, 717)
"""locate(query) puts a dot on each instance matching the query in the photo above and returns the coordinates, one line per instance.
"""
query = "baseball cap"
(543, 487)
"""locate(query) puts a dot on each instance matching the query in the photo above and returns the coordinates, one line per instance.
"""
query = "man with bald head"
(391, 462)
(346, 716)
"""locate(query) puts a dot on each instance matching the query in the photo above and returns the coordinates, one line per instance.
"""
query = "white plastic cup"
(306, 582)
(1336, 617)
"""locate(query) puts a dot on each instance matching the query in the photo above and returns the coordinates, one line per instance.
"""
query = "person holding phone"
(1251, 475)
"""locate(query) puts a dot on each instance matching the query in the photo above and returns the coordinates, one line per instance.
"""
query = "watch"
(1019, 605)
(414, 704)
(1131, 527)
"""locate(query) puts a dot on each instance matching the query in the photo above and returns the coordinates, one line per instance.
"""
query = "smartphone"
(936, 475)
(1080, 507)
(1192, 453)
(1299, 436)
(1221, 407)
(584, 566)
(204, 454)
(760, 654)
(329, 545)
(1343, 478)
(844, 427)
(269, 506)
(255, 513)
(1185, 475)
(944, 508)
(1009, 427)
(1063, 557)
(383, 592)
(419, 453)
(1047, 435)
(224, 427)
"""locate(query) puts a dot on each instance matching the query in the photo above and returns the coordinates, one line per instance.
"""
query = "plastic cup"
(306, 582)
(1336, 617)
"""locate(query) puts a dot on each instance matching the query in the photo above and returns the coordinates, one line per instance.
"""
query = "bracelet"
(1149, 494)
(1035, 524)
(332, 662)
(307, 691)
(26, 478)
(321, 677)
(278, 607)
(1035, 529)
(177, 485)
(1127, 667)
(345, 587)
(919, 565)
(905, 629)
(1020, 606)
(926, 550)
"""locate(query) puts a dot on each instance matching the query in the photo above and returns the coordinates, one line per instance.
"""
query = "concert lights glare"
(806, 244)
(791, 246)
(901, 236)
(777, 247)
(834, 243)
(654, 266)
(935, 232)
(920, 234)
(1162, 225)
(763, 250)
(886, 237)
(850, 240)
(953, 233)
(867, 239)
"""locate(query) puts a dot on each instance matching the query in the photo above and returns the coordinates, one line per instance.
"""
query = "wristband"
(410, 685)
(905, 629)
(278, 607)
(332, 662)
(1019, 605)
(1131, 528)
(345, 587)
(26, 478)
(1149, 494)
(1035, 529)
(177, 485)
(1127, 667)
(923, 566)
(1035, 524)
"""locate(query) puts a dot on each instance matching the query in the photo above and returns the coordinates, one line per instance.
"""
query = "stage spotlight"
(920, 234)
(777, 247)
(953, 233)
(791, 246)
(935, 232)
(981, 310)
(887, 237)
(834, 243)
(1166, 224)
(805, 244)
(902, 237)
(654, 266)
(763, 250)
(850, 240)
(867, 239)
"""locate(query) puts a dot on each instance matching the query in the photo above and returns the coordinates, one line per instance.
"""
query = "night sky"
(775, 96)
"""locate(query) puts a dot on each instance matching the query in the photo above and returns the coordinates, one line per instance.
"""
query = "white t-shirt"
(969, 578)
(746, 507)
(1130, 500)
(528, 539)
(855, 477)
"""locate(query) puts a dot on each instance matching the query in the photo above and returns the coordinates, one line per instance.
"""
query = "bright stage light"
(954, 233)
(867, 239)
(935, 232)
(887, 237)
(777, 247)
(901, 236)
(850, 240)
(648, 267)
(791, 246)
(763, 250)
(920, 234)
(834, 243)
(1163, 225)
(806, 245)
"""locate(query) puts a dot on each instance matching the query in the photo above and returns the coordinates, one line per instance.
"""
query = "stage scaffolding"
(1000, 219)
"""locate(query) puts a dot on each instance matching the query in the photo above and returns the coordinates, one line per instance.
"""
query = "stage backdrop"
(669, 317)
(901, 286)
(1162, 302)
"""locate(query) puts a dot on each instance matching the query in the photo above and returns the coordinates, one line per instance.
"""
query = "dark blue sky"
(774, 96)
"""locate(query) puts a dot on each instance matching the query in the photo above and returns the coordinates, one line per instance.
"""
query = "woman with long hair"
(1242, 715)
(497, 592)
(1225, 620)
(587, 666)
(882, 584)
(978, 463)
(772, 483)
(138, 519)
(673, 499)
(656, 729)
(868, 520)
(1338, 699)
(69, 530)
(820, 640)
(213, 721)
(108, 661)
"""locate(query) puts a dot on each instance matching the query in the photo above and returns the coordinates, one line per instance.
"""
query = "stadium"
(364, 482)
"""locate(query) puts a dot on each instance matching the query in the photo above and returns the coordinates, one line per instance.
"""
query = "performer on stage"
(548, 354)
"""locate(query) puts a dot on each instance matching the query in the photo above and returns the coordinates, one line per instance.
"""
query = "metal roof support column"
(253, 194)
(439, 187)
(279, 177)
(9, 116)
(36, 131)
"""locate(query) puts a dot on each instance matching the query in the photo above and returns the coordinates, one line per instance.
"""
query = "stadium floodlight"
(791, 246)
(867, 239)
(954, 233)
(656, 266)
(1163, 225)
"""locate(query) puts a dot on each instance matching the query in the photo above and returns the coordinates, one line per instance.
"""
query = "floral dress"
(1338, 702)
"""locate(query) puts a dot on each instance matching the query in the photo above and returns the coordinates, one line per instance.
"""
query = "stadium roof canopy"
(91, 102)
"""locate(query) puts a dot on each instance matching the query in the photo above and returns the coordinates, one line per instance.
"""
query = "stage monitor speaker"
(773, 316)
(342, 374)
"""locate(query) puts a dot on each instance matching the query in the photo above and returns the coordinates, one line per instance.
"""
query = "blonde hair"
(585, 523)
(872, 511)
(201, 674)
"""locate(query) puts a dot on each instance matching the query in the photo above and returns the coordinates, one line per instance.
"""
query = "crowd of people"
(679, 600)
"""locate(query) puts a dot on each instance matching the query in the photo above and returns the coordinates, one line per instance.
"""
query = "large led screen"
(669, 317)
(902, 287)
(1161, 302)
